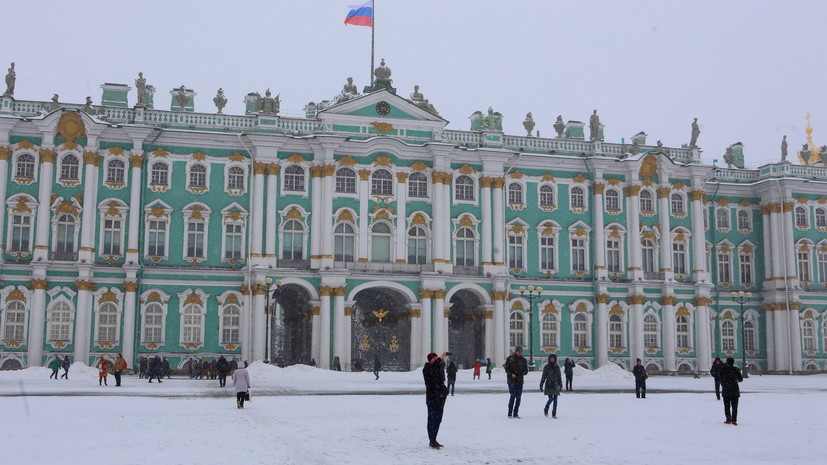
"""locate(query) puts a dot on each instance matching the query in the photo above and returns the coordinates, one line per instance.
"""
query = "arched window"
(750, 335)
(344, 240)
(417, 245)
(191, 321)
(546, 196)
(647, 248)
(647, 205)
(615, 332)
(159, 174)
(728, 335)
(294, 178)
(417, 185)
(292, 241)
(464, 188)
(677, 204)
(231, 325)
(650, 332)
(59, 327)
(69, 168)
(14, 321)
(801, 217)
(612, 200)
(25, 166)
(516, 329)
(578, 199)
(581, 331)
(381, 183)
(821, 218)
(235, 177)
(465, 246)
(682, 332)
(549, 331)
(115, 172)
(515, 194)
(744, 223)
(65, 237)
(152, 326)
(198, 176)
(722, 218)
(380, 245)
(107, 320)
(808, 335)
(346, 181)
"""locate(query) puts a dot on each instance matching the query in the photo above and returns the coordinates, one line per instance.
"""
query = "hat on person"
(242, 364)
(552, 357)
(518, 349)
(431, 357)
(639, 360)
(730, 361)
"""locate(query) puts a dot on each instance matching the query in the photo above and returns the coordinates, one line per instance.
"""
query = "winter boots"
(545, 411)
(554, 414)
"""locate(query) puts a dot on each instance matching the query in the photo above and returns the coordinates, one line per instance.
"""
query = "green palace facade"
(368, 229)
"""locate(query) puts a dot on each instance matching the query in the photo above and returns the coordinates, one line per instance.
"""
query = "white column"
(780, 332)
(327, 175)
(599, 235)
(364, 195)
(500, 335)
(132, 250)
(789, 245)
(499, 223)
(446, 221)
(347, 363)
(601, 330)
(795, 338)
(258, 220)
(247, 325)
(426, 344)
(401, 214)
(699, 271)
(438, 206)
(486, 221)
(83, 320)
(259, 322)
(665, 215)
(440, 322)
(324, 329)
(702, 346)
(4, 172)
(775, 236)
(129, 312)
(316, 214)
(272, 209)
(769, 271)
(633, 226)
(87, 225)
(41, 248)
(636, 327)
(489, 331)
(339, 325)
(417, 354)
(315, 337)
(37, 323)
(668, 333)
(770, 332)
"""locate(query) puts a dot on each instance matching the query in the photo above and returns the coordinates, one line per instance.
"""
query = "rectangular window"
(822, 268)
(111, 237)
(578, 255)
(547, 262)
(107, 327)
(746, 268)
(724, 268)
(195, 239)
(157, 238)
(804, 266)
(679, 258)
(728, 336)
(515, 252)
(20, 233)
(613, 256)
(232, 241)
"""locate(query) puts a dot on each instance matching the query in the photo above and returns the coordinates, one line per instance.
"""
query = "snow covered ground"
(303, 415)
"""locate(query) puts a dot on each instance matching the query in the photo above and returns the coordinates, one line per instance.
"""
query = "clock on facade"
(383, 108)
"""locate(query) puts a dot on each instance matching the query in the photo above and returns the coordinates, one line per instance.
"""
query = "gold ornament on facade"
(364, 344)
(602, 298)
(598, 188)
(38, 284)
(517, 229)
(193, 298)
(199, 156)
(130, 286)
(236, 157)
(466, 220)
(499, 295)
(579, 232)
(549, 308)
(381, 128)
(419, 165)
(632, 191)
(548, 230)
(153, 297)
(419, 218)
(467, 169)
(579, 178)
(364, 175)
(160, 152)
(345, 215)
(294, 213)
(382, 215)
(517, 306)
(678, 185)
(498, 182)
(402, 178)
(613, 181)
(394, 345)
(702, 301)
(91, 158)
(548, 177)
(115, 150)
(425, 293)
(4, 153)
(25, 144)
(85, 285)
(21, 205)
(137, 161)
(16, 294)
(47, 156)
(722, 202)
(649, 167)
(70, 127)
(296, 158)
(516, 174)
(347, 160)
(70, 145)
(260, 168)
(683, 311)
(668, 300)
(108, 296)
(744, 203)
(158, 212)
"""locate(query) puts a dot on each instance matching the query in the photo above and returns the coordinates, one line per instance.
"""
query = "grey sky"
(749, 70)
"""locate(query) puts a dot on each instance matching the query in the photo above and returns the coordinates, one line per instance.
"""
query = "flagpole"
(372, 27)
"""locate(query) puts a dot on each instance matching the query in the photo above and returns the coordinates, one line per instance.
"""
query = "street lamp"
(268, 314)
(532, 293)
(742, 297)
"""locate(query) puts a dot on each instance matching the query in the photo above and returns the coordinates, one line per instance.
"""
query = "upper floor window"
(69, 168)
(546, 196)
(647, 204)
(159, 174)
(344, 240)
(417, 245)
(231, 325)
(233, 240)
(196, 238)
(21, 232)
(116, 172)
(417, 185)
(648, 254)
(380, 242)
(293, 241)
(25, 166)
(724, 267)
(65, 235)
(198, 176)
(612, 200)
(801, 217)
(235, 177)
(156, 237)
(59, 326)
(821, 218)
(744, 223)
(465, 247)
(294, 178)
(381, 182)
(722, 218)
(515, 194)
(650, 331)
(346, 181)
(728, 335)
(464, 187)
(677, 204)
(578, 198)
(14, 321)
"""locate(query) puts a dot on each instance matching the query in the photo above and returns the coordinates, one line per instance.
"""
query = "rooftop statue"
(55, 104)
(729, 158)
(220, 100)
(696, 131)
(493, 121)
(349, 91)
(594, 127)
(11, 77)
(784, 149)
(528, 124)
(88, 106)
(823, 154)
(268, 105)
(382, 73)
(559, 126)
(181, 97)
(140, 84)
(635, 146)
(421, 101)
(805, 154)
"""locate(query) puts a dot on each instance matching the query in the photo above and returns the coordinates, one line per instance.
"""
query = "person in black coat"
(715, 372)
(377, 367)
(143, 366)
(223, 369)
(568, 368)
(516, 367)
(640, 379)
(155, 368)
(435, 394)
(452, 376)
(730, 377)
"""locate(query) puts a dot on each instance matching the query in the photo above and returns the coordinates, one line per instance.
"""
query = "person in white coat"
(241, 381)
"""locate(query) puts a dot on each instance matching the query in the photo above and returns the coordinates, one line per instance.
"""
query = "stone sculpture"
(528, 124)
(594, 127)
(181, 98)
(635, 147)
(805, 154)
(784, 149)
(55, 104)
(140, 84)
(220, 100)
(268, 105)
(696, 131)
(493, 121)
(349, 91)
(88, 106)
(421, 101)
(11, 77)
(729, 158)
(559, 126)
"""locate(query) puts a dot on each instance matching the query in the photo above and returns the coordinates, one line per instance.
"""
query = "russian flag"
(360, 15)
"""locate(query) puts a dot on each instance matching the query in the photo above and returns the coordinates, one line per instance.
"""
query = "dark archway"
(11, 364)
(381, 327)
(292, 326)
(466, 328)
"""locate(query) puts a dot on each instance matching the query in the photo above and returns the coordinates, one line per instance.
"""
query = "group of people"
(216, 368)
(154, 368)
(56, 364)
(103, 365)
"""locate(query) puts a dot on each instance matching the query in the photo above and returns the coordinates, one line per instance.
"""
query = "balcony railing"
(63, 256)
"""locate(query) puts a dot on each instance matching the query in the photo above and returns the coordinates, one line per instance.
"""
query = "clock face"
(383, 108)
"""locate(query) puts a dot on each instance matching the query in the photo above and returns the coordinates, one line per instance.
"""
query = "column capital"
(440, 293)
(498, 183)
(85, 285)
(245, 290)
(788, 207)
(632, 191)
(259, 289)
(326, 291)
(259, 168)
(364, 175)
(636, 299)
(38, 284)
(486, 182)
(91, 158)
(426, 293)
(130, 286)
(602, 298)
(47, 156)
(327, 170)
(4, 153)
(663, 192)
(598, 188)
(697, 194)
(348, 311)
(137, 161)
(702, 301)
(339, 291)
(315, 310)
(499, 295)
(668, 300)
(273, 169)
(401, 178)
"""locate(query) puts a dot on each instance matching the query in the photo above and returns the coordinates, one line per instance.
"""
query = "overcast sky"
(748, 70)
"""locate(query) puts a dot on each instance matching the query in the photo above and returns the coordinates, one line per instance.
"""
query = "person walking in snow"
(477, 367)
(730, 377)
(142, 365)
(435, 394)
(550, 384)
(241, 381)
(155, 368)
(715, 371)
(117, 368)
(516, 367)
(55, 366)
(451, 371)
(166, 369)
(489, 367)
(377, 367)
(640, 379)
(65, 365)
(103, 371)
(568, 367)
(223, 367)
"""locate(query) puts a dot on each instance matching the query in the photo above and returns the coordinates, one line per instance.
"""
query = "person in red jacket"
(103, 371)
(477, 366)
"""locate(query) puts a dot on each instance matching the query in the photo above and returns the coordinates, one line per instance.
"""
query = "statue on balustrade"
(493, 121)
(55, 104)
(140, 85)
(421, 101)
(559, 126)
(11, 77)
(220, 100)
(87, 107)
(784, 149)
(349, 91)
(181, 97)
(805, 154)
(696, 131)
(528, 124)
(594, 127)
(729, 158)
(268, 105)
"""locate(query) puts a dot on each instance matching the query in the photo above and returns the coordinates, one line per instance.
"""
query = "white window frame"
(4, 317)
(52, 324)
(288, 179)
(341, 239)
(227, 327)
(149, 217)
(153, 164)
(462, 188)
(551, 192)
(23, 206)
(415, 186)
(16, 169)
(649, 334)
(342, 179)
(162, 304)
(76, 170)
(550, 331)
(382, 187)
(473, 239)
(517, 328)
(191, 215)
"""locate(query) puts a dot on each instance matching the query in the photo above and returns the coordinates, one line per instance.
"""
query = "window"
(581, 331)
(152, 327)
(21, 233)
(548, 253)
(647, 205)
(381, 183)
(546, 197)
(195, 239)
(69, 168)
(682, 332)
(235, 178)
(801, 217)
(344, 240)
(25, 166)
(14, 321)
(159, 174)
(293, 241)
(515, 251)
(549, 330)
(722, 218)
(112, 236)
(578, 254)
(157, 239)
(648, 254)
(198, 176)
(417, 246)
(750, 332)
(464, 188)
(107, 320)
(808, 340)
(612, 200)
(821, 218)
(59, 326)
(115, 172)
(615, 332)
(231, 325)
(380, 242)
(418, 185)
(724, 267)
(191, 324)
(515, 194)
(465, 246)
(679, 258)
(578, 198)
(677, 204)
(650, 332)
(614, 256)
(744, 223)
(346, 181)
(803, 256)
(233, 240)
(728, 335)
(745, 267)
(821, 257)
(294, 178)
(65, 235)
(516, 329)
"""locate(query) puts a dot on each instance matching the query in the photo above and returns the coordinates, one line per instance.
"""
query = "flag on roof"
(360, 15)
